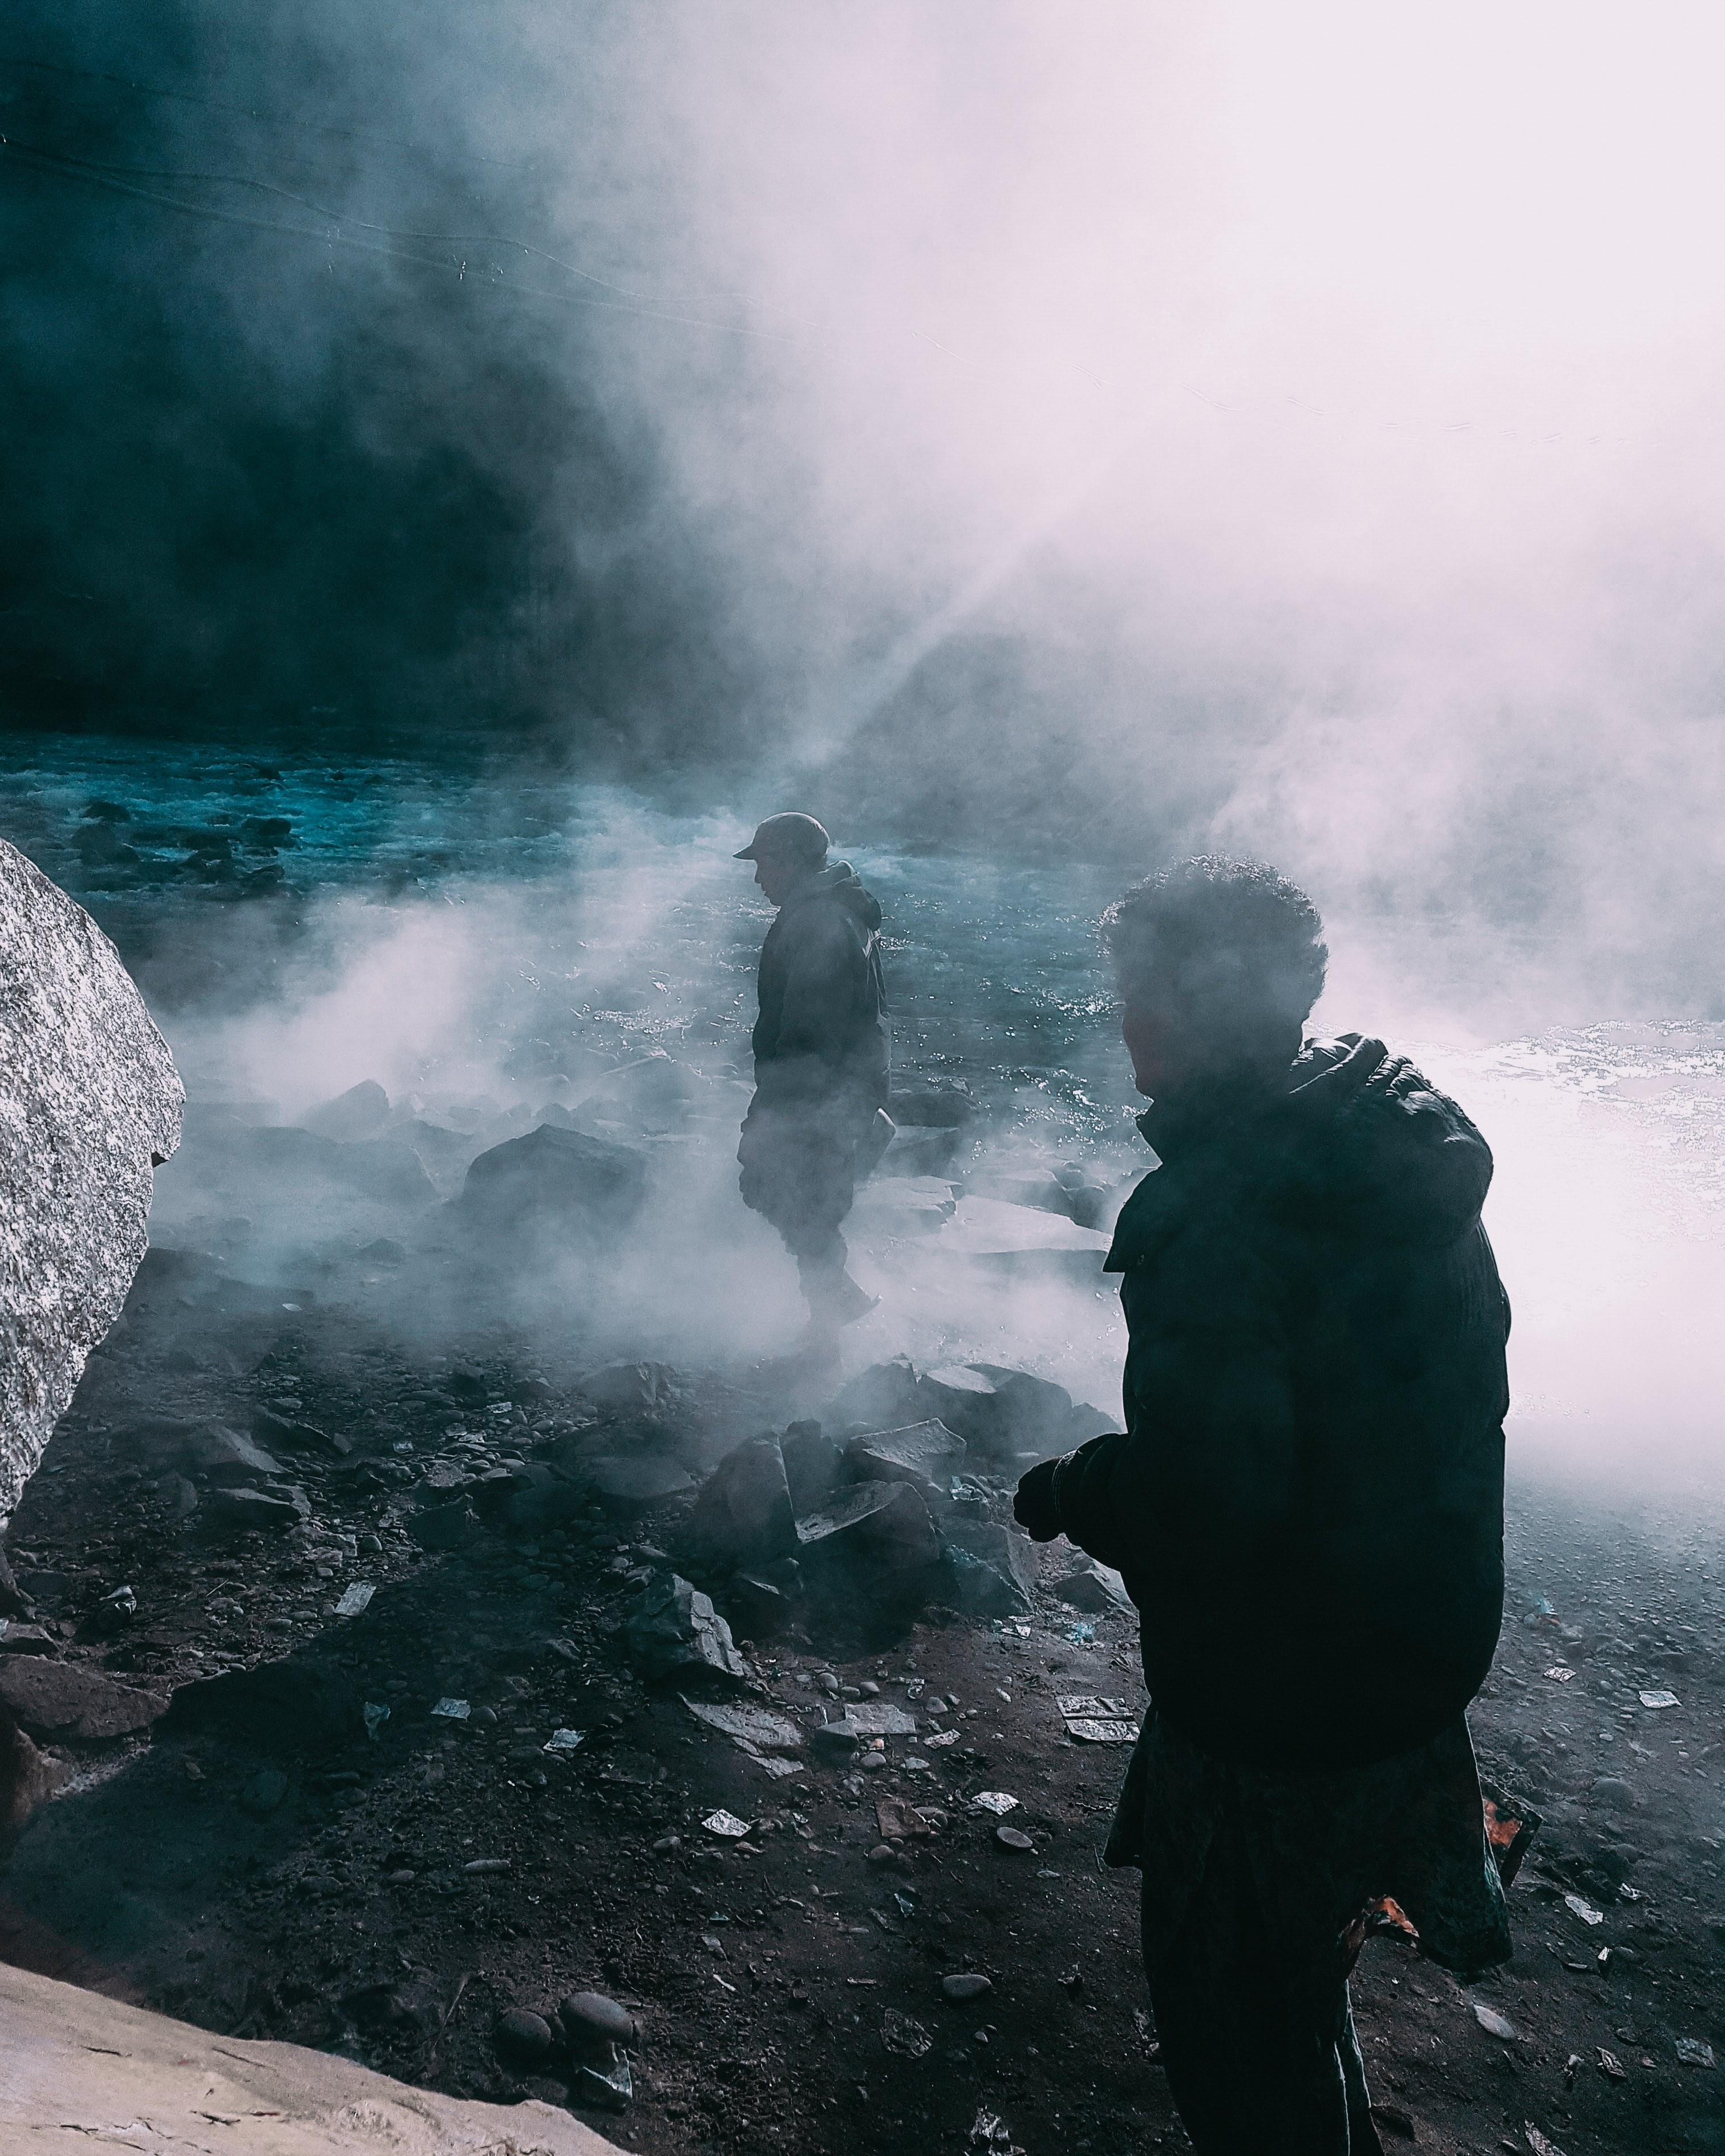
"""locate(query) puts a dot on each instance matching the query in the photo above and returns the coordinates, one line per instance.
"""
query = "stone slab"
(86, 2069)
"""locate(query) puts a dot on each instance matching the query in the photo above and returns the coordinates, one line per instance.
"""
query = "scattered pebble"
(1012, 1837)
(961, 1989)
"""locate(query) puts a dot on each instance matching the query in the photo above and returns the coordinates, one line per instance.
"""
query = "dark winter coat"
(1307, 1503)
(821, 1033)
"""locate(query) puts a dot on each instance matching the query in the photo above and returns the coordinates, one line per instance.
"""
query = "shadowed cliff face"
(286, 453)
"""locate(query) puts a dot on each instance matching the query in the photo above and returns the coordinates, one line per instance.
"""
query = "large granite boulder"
(90, 1104)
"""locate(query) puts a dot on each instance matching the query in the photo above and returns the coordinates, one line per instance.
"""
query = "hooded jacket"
(821, 1031)
(1307, 1502)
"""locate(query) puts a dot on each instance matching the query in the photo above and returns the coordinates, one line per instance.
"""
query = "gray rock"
(363, 1111)
(961, 1989)
(17, 1638)
(945, 1104)
(90, 1104)
(524, 2035)
(637, 1389)
(291, 1435)
(633, 1481)
(281, 1707)
(225, 1513)
(179, 1495)
(743, 1515)
(1020, 1413)
(884, 1397)
(210, 1449)
(444, 1526)
(589, 2018)
(1612, 1793)
(553, 1185)
(674, 1631)
(926, 1455)
(264, 1793)
(1097, 1589)
(872, 1528)
(811, 1465)
(58, 1702)
(990, 1571)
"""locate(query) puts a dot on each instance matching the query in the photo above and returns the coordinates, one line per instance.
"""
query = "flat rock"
(64, 1702)
(90, 1105)
(17, 1638)
(991, 1569)
(754, 1728)
(871, 1528)
(926, 1455)
(73, 2054)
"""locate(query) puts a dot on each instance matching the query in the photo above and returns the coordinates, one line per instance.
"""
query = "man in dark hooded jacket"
(818, 1120)
(1306, 1506)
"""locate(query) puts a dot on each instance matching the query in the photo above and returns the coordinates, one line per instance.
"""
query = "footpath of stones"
(396, 1895)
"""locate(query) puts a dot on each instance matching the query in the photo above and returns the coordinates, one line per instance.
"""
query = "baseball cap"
(793, 833)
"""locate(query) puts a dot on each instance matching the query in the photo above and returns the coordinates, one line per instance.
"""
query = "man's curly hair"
(1230, 940)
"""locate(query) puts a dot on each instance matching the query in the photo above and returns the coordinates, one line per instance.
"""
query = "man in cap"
(818, 1119)
(1306, 1504)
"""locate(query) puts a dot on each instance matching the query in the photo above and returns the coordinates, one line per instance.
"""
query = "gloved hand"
(1033, 1505)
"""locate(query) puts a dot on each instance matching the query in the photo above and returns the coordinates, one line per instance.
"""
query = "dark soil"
(277, 1872)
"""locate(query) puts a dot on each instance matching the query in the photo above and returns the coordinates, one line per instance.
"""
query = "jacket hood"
(1389, 1138)
(1357, 1133)
(839, 880)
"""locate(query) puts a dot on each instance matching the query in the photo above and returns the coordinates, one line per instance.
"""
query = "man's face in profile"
(1160, 1047)
(777, 872)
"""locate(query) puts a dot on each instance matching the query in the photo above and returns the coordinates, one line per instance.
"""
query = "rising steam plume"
(1098, 435)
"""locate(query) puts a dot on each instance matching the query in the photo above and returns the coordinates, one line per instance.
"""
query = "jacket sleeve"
(826, 975)
(1208, 1461)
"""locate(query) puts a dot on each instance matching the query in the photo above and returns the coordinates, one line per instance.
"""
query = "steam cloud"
(1097, 434)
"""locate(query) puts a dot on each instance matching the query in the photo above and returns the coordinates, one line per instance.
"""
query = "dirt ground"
(291, 1875)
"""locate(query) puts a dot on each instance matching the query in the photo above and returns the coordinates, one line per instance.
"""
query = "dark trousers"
(1258, 2044)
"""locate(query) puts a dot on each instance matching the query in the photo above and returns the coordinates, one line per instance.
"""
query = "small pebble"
(872, 1763)
(487, 1716)
(1012, 1837)
(959, 1989)
(870, 1689)
(882, 1853)
(668, 1844)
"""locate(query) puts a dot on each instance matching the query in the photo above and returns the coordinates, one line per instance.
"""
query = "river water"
(484, 943)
